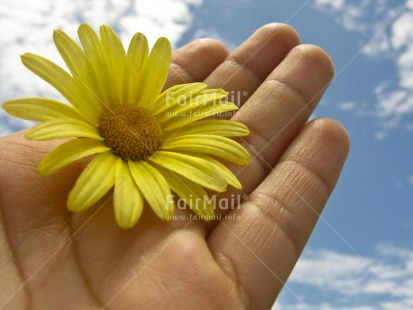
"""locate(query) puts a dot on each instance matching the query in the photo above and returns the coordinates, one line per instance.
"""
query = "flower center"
(131, 132)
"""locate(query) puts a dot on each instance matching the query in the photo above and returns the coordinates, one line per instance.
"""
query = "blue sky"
(360, 255)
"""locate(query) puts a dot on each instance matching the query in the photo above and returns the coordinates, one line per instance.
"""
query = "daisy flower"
(142, 142)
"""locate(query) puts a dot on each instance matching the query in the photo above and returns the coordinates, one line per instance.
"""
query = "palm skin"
(54, 259)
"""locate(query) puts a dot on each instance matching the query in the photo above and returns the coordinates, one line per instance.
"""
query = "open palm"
(54, 259)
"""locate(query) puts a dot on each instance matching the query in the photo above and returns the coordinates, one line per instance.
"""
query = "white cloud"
(27, 26)
(349, 16)
(402, 30)
(379, 46)
(170, 21)
(382, 281)
(333, 278)
(391, 102)
(347, 105)
(405, 64)
(387, 28)
(334, 5)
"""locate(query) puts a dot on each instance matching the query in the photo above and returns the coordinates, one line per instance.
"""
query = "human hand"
(54, 259)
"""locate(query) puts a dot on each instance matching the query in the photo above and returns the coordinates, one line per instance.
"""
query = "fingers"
(280, 107)
(245, 69)
(35, 218)
(195, 61)
(260, 242)
(28, 200)
(11, 294)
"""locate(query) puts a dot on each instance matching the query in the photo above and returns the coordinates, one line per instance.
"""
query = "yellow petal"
(194, 168)
(80, 97)
(39, 109)
(94, 182)
(69, 152)
(154, 188)
(194, 195)
(198, 113)
(116, 57)
(75, 60)
(224, 128)
(177, 95)
(72, 54)
(97, 64)
(222, 147)
(188, 104)
(227, 174)
(135, 62)
(154, 73)
(62, 128)
(128, 201)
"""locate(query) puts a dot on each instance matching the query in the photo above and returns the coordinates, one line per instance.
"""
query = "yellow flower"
(143, 142)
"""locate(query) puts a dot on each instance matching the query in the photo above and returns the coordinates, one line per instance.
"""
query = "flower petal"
(116, 57)
(187, 104)
(69, 152)
(80, 97)
(62, 128)
(39, 109)
(196, 114)
(72, 55)
(176, 96)
(94, 182)
(227, 174)
(224, 128)
(194, 168)
(154, 73)
(153, 187)
(98, 66)
(194, 195)
(135, 62)
(222, 147)
(76, 60)
(128, 201)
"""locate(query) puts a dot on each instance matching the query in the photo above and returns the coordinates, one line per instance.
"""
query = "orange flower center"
(131, 132)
